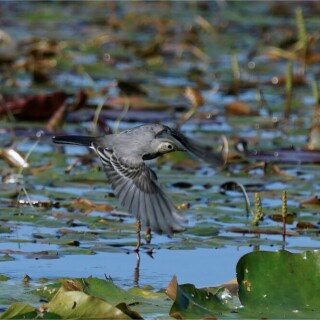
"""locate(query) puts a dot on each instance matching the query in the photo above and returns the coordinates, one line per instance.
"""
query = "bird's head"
(163, 146)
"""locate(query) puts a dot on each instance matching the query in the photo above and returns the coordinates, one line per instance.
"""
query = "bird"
(136, 186)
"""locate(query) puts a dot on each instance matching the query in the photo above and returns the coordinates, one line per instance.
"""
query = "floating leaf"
(77, 304)
(280, 284)
(38, 107)
(239, 108)
(3, 277)
(190, 302)
(313, 201)
(17, 310)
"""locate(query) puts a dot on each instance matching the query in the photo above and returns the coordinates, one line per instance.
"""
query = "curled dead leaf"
(239, 108)
(171, 290)
(86, 206)
(194, 96)
(306, 225)
(34, 108)
(314, 138)
(72, 285)
(57, 118)
(278, 217)
(315, 200)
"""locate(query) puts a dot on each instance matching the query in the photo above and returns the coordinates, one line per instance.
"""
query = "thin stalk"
(235, 71)
(246, 198)
(96, 118)
(302, 37)
(315, 93)
(122, 115)
(284, 212)
(27, 156)
(288, 101)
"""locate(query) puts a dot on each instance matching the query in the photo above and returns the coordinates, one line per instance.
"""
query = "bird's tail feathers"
(77, 140)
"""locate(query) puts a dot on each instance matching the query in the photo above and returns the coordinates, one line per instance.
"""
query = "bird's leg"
(138, 230)
(148, 235)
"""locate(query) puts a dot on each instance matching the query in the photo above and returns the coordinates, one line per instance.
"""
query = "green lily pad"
(77, 304)
(17, 310)
(190, 302)
(3, 277)
(280, 284)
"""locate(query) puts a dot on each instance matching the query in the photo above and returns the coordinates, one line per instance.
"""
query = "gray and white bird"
(133, 182)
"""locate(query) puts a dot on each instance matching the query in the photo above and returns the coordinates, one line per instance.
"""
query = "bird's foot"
(137, 248)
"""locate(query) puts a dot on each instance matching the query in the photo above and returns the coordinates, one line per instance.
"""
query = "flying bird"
(133, 182)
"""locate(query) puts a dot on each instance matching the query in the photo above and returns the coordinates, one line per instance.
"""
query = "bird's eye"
(170, 146)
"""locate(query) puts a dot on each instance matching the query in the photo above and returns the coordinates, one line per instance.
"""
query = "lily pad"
(77, 304)
(190, 302)
(280, 284)
(17, 310)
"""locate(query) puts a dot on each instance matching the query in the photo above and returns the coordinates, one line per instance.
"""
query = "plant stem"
(289, 75)
(284, 211)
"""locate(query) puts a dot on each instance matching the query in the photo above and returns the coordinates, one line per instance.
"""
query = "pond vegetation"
(239, 77)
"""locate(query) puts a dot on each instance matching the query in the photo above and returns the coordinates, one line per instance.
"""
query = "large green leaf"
(280, 284)
(77, 304)
(16, 310)
(190, 302)
(143, 301)
(107, 290)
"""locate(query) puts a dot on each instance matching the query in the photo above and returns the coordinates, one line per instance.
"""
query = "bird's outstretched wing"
(204, 153)
(135, 185)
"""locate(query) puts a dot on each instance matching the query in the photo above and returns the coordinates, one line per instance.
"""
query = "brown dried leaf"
(171, 290)
(306, 225)
(35, 108)
(72, 285)
(42, 168)
(314, 138)
(239, 108)
(87, 206)
(297, 80)
(44, 49)
(57, 118)
(313, 58)
(315, 200)
(278, 217)
(130, 88)
(194, 96)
